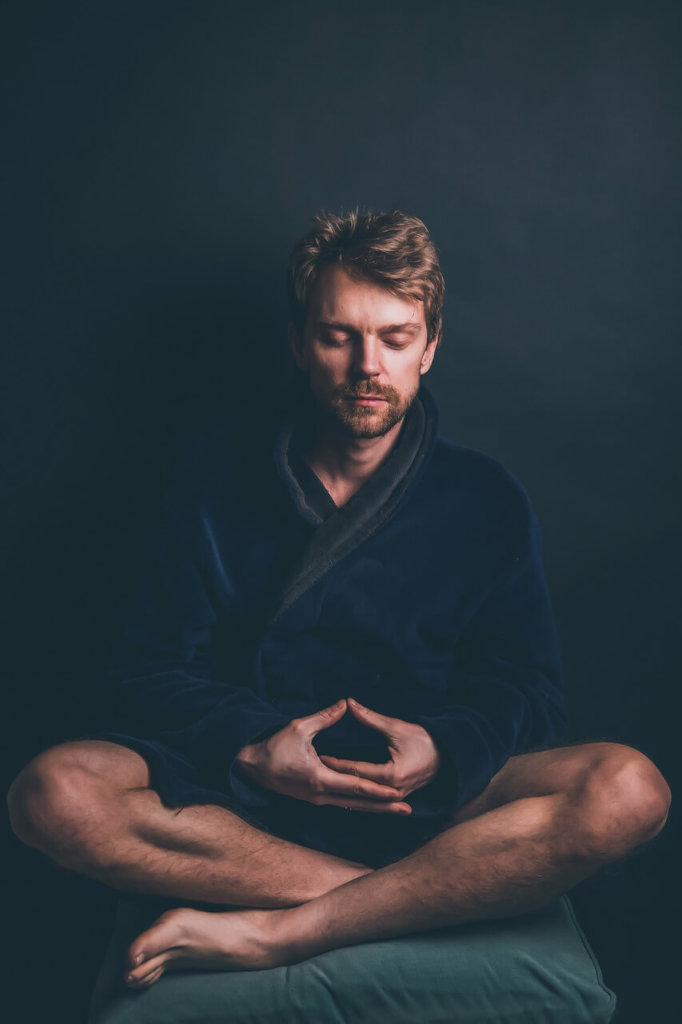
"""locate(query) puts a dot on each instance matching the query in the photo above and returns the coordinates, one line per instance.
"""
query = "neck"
(343, 463)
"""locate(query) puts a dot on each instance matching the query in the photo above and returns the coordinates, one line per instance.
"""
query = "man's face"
(364, 350)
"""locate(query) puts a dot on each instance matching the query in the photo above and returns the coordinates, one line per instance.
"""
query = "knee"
(624, 799)
(50, 801)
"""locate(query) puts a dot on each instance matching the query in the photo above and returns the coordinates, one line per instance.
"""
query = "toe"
(165, 933)
(151, 978)
(147, 972)
(136, 954)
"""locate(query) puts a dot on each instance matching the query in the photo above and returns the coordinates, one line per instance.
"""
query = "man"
(343, 671)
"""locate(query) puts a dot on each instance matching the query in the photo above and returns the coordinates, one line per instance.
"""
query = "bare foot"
(185, 939)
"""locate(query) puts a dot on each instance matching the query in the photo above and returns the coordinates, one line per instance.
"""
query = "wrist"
(432, 753)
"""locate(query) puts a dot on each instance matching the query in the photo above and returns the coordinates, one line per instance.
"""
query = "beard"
(365, 421)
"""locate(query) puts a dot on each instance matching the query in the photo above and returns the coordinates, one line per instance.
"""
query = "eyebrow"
(411, 327)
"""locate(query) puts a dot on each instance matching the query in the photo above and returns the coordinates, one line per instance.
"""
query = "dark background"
(161, 158)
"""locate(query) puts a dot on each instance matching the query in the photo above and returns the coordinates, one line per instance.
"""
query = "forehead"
(344, 298)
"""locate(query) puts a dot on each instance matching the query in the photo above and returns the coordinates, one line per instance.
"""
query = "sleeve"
(509, 690)
(164, 666)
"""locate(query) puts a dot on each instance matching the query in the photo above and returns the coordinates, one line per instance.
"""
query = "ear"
(297, 348)
(429, 353)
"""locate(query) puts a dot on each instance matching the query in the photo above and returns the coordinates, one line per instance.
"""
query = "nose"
(366, 356)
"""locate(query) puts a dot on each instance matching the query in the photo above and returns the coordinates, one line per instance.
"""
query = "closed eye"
(334, 340)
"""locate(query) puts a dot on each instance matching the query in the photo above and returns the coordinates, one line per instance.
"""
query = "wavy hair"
(390, 248)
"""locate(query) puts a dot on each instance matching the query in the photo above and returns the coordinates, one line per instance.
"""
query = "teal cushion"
(535, 968)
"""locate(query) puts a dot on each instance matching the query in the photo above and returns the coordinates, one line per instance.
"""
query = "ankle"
(301, 932)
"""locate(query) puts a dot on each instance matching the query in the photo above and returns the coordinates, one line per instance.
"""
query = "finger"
(371, 806)
(351, 785)
(363, 769)
(382, 723)
(312, 724)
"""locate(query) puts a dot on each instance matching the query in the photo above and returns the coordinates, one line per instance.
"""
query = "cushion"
(523, 970)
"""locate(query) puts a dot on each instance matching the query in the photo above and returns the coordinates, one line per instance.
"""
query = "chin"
(368, 425)
(365, 433)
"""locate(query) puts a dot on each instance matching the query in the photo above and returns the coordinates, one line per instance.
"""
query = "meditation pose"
(341, 676)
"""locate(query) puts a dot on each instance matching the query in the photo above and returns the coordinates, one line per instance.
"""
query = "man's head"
(366, 297)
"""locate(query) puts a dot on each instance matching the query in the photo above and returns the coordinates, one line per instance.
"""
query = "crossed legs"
(88, 806)
(546, 821)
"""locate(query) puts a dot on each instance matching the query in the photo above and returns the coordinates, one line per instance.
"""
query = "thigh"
(60, 786)
(543, 773)
(103, 761)
(179, 782)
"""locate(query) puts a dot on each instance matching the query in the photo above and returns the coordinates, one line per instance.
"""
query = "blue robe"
(423, 597)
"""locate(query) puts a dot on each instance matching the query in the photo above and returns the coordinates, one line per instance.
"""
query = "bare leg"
(88, 806)
(547, 821)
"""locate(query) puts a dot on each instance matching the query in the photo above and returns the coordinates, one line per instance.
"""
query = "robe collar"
(370, 507)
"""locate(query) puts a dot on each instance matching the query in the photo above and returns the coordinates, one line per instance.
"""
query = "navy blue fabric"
(441, 616)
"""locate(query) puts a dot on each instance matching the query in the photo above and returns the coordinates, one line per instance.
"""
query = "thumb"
(312, 724)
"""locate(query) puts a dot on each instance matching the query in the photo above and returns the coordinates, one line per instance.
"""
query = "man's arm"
(169, 689)
(510, 679)
(513, 698)
(164, 668)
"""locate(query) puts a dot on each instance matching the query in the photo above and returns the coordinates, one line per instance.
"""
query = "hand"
(414, 758)
(288, 763)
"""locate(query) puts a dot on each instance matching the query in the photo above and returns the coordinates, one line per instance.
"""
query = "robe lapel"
(364, 513)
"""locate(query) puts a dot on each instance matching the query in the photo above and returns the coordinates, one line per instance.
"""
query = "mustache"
(366, 390)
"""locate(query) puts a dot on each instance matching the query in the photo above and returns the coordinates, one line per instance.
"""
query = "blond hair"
(392, 249)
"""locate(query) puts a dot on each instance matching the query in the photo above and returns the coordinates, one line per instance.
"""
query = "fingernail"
(139, 958)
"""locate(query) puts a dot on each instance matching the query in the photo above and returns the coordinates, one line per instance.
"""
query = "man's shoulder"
(472, 464)
(477, 484)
